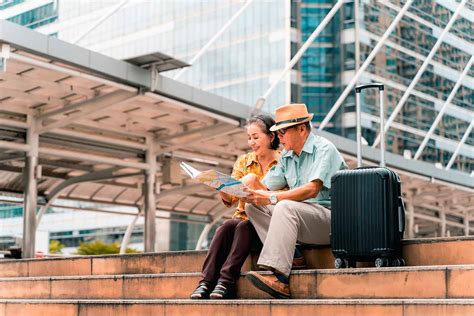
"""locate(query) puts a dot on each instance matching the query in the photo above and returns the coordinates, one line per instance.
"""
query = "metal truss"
(420, 72)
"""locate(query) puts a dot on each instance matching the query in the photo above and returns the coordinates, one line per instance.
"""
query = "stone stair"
(346, 307)
(438, 280)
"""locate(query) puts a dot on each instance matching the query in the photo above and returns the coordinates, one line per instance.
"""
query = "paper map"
(216, 180)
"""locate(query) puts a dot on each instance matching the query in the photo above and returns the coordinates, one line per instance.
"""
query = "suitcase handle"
(401, 215)
(358, 90)
(368, 86)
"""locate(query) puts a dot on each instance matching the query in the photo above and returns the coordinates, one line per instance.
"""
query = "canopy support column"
(31, 192)
(442, 215)
(128, 233)
(411, 219)
(150, 201)
(466, 225)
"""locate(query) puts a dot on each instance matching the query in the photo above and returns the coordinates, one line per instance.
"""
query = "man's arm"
(307, 191)
(302, 193)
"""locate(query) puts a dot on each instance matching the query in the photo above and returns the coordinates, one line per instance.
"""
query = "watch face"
(273, 199)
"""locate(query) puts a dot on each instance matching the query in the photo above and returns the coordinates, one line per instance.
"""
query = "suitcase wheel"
(339, 263)
(401, 262)
(382, 262)
(351, 263)
(398, 262)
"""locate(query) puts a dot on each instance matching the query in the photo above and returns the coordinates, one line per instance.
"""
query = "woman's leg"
(219, 250)
(244, 236)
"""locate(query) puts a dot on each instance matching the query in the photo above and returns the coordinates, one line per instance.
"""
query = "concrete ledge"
(439, 282)
(236, 307)
(417, 252)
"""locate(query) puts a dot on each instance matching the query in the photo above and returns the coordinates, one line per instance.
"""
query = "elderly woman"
(233, 239)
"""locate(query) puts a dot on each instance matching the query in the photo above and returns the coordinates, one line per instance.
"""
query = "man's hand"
(257, 197)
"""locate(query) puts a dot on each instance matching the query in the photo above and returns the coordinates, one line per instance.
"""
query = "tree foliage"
(98, 247)
(55, 246)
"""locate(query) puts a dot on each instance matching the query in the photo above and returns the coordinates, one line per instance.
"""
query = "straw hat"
(289, 115)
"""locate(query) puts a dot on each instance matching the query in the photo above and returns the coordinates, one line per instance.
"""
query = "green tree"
(98, 247)
(55, 246)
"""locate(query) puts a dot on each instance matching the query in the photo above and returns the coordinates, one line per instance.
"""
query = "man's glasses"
(282, 131)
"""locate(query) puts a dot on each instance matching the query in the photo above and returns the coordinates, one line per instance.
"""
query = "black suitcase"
(367, 210)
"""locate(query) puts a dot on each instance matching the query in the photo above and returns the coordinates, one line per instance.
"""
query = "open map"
(216, 180)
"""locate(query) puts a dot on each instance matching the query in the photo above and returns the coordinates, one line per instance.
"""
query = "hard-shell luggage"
(368, 214)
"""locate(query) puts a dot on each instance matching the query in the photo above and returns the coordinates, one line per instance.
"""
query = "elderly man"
(300, 214)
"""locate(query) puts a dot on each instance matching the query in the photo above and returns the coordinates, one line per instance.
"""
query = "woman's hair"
(265, 122)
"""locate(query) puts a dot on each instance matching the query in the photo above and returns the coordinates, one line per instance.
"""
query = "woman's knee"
(227, 226)
(250, 180)
(243, 226)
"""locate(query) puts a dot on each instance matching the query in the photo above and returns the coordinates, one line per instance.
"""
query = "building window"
(108, 235)
(294, 14)
(295, 93)
(37, 17)
(9, 3)
(348, 17)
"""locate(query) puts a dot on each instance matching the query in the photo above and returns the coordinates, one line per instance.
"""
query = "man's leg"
(260, 217)
(291, 222)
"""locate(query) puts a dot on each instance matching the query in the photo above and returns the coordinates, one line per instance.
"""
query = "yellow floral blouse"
(244, 165)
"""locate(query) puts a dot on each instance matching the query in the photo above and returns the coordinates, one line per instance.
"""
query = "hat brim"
(275, 127)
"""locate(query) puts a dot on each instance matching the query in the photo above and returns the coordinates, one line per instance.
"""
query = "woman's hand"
(227, 198)
(257, 197)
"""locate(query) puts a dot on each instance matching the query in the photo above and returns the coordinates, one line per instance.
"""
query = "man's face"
(289, 136)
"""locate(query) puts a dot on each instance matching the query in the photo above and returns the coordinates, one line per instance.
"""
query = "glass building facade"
(331, 62)
(30, 14)
(73, 238)
(397, 64)
(321, 63)
(249, 55)
(11, 210)
(239, 65)
(243, 62)
(5, 4)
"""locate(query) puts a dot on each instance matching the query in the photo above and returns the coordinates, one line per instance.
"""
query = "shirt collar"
(309, 144)
(287, 153)
(251, 158)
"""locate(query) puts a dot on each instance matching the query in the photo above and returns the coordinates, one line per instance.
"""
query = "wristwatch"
(273, 199)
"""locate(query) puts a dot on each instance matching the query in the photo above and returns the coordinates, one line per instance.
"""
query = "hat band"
(296, 120)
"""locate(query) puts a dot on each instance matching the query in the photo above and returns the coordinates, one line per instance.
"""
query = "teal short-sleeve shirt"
(319, 159)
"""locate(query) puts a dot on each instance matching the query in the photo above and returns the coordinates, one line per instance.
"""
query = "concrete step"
(439, 282)
(409, 307)
(417, 252)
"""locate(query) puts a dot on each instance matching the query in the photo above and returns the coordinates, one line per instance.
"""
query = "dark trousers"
(228, 250)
